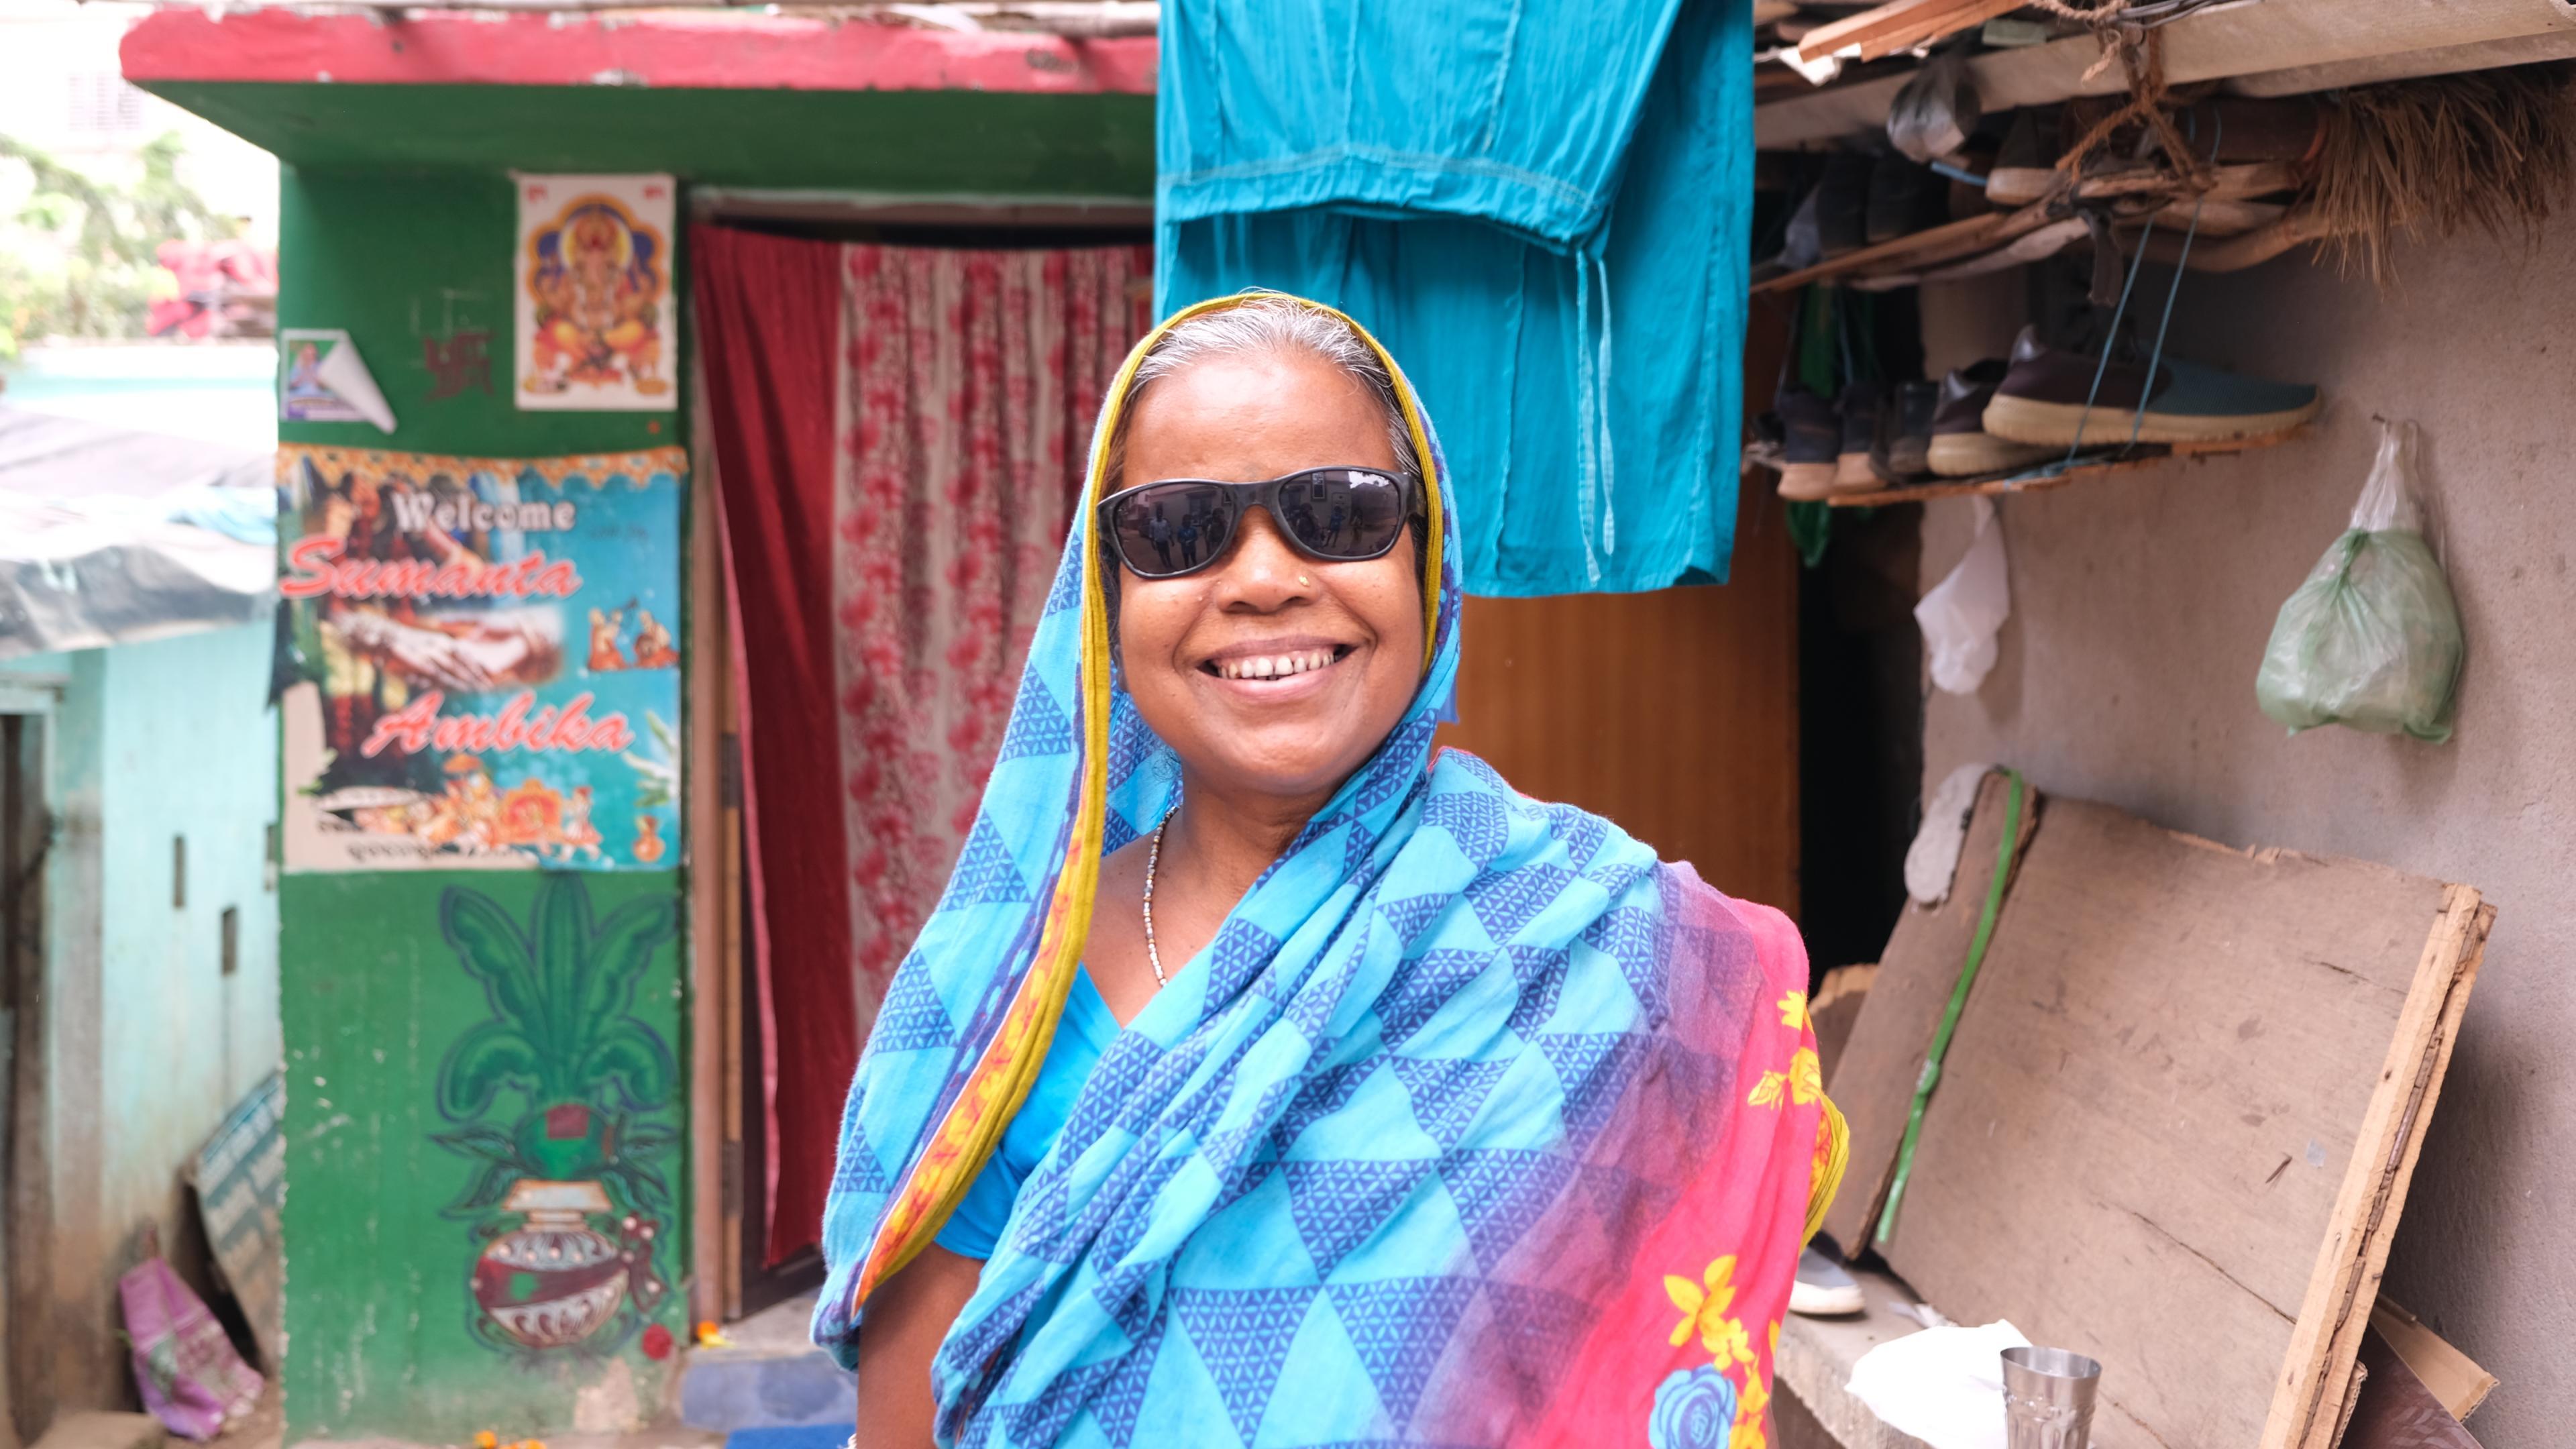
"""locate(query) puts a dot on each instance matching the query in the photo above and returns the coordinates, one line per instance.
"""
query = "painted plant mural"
(557, 1101)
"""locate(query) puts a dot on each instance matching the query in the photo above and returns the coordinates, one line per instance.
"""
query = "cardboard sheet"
(2177, 1120)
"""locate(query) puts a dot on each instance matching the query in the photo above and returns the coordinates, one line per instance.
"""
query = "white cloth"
(1944, 1386)
(1932, 861)
(1963, 612)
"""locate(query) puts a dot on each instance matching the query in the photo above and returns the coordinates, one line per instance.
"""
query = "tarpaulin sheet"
(109, 536)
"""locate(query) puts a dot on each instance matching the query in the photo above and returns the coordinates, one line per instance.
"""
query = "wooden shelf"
(2219, 44)
(2057, 475)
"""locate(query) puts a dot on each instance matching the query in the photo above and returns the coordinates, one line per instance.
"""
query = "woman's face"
(1185, 644)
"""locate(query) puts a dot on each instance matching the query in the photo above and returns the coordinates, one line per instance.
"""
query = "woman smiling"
(1264, 1079)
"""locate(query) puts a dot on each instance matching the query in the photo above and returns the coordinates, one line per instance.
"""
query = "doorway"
(26, 832)
(794, 944)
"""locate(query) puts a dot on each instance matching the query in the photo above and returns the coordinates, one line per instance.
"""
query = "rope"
(2156, 358)
(2110, 342)
(2140, 50)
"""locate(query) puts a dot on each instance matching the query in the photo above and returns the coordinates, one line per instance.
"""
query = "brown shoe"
(1961, 447)
(1864, 410)
(1810, 447)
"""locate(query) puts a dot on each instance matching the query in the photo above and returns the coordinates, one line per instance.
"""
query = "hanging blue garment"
(1543, 205)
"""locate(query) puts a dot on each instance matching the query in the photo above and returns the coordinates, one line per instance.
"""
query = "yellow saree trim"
(1833, 1154)
(965, 1138)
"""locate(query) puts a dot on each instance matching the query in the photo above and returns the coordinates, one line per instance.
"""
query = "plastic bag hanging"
(2372, 638)
(1963, 612)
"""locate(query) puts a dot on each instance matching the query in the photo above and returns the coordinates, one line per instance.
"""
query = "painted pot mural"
(556, 1280)
(568, 1195)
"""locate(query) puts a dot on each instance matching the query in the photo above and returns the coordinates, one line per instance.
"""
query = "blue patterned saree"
(1474, 1125)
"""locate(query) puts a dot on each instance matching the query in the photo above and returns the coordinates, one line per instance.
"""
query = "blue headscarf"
(1382, 1138)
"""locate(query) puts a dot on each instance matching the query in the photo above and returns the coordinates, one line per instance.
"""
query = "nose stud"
(1304, 582)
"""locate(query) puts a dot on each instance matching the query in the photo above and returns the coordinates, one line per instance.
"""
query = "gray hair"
(1267, 324)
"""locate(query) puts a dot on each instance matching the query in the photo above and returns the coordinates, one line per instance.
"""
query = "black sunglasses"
(1181, 525)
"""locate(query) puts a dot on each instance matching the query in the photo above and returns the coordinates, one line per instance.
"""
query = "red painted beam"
(712, 50)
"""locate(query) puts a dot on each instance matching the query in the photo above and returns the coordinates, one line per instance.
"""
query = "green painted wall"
(399, 257)
(397, 223)
(422, 1084)
(437, 1054)
(929, 142)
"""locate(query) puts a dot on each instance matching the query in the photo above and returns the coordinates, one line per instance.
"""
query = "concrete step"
(90, 1430)
(772, 1377)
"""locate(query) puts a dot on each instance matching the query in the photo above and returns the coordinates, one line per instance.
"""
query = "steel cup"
(2048, 1398)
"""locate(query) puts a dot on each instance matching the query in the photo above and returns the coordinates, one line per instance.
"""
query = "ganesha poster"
(596, 321)
(480, 659)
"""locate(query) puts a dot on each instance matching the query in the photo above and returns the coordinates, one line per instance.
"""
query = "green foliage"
(498, 1166)
(563, 1034)
(77, 257)
(560, 992)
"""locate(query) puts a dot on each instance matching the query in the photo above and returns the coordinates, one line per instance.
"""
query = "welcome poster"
(481, 660)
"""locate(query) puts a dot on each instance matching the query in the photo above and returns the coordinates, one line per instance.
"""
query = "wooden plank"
(2396, 1409)
(2451, 1376)
(1925, 30)
(1852, 30)
(1874, 1082)
(2022, 185)
(709, 677)
(2147, 456)
(2214, 45)
(2236, 253)
(2406, 65)
(1974, 230)
(1573, 698)
(2336, 1312)
(2214, 217)
(2182, 1069)
(2046, 242)
(1940, 243)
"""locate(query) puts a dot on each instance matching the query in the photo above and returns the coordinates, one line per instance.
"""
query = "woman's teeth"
(1274, 666)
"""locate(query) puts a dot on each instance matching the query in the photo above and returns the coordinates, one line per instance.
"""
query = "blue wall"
(149, 1040)
(190, 754)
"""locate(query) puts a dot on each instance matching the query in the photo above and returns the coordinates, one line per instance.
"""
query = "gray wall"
(2141, 603)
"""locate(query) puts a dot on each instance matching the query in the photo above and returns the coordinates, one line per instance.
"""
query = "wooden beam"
(1953, 239)
(2046, 242)
(2022, 185)
(2407, 65)
(2237, 253)
(1929, 29)
(2214, 45)
(2355, 1253)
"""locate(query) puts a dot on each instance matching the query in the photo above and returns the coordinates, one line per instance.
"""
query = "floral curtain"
(898, 433)
(970, 383)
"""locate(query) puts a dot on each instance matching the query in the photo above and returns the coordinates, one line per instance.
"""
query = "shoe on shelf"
(1864, 425)
(1960, 445)
(1909, 433)
(1842, 202)
(1822, 1288)
(2041, 400)
(1810, 444)
(2025, 166)
(1799, 246)
(1904, 197)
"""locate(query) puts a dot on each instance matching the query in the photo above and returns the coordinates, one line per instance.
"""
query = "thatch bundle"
(2494, 150)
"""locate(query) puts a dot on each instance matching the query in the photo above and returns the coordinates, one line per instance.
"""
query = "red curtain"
(899, 435)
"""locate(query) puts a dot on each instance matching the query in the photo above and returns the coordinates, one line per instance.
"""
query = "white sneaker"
(1823, 1289)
